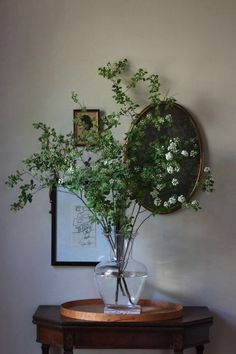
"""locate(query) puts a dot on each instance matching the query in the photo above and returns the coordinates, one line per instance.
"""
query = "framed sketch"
(76, 240)
(85, 121)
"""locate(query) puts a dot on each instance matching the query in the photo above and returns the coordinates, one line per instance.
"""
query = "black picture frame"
(69, 245)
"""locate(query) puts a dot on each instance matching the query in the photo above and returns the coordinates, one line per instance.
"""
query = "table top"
(50, 314)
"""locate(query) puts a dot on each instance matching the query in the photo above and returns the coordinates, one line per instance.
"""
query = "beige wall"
(51, 47)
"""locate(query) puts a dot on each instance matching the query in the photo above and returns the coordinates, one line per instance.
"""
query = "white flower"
(109, 162)
(175, 181)
(170, 170)
(70, 170)
(159, 186)
(157, 201)
(177, 168)
(154, 193)
(184, 153)
(195, 204)
(172, 200)
(181, 198)
(207, 169)
(172, 147)
(166, 204)
(193, 153)
(168, 118)
(60, 181)
(169, 156)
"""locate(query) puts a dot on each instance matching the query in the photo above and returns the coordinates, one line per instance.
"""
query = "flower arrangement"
(105, 174)
(105, 183)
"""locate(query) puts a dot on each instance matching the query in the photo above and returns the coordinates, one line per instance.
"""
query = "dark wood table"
(192, 330)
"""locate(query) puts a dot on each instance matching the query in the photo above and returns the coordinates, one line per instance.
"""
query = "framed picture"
(85, 121)
(183, 126)
(76, 240)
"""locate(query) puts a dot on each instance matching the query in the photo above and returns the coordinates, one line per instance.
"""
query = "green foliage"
(104, 174)
(46, 168)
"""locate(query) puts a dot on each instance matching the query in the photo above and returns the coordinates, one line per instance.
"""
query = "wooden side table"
(192, 330)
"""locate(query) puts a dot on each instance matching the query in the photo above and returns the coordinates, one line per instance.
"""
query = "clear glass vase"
(121, 279)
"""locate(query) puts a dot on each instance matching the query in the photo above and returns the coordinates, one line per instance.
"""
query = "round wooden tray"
(92, 310)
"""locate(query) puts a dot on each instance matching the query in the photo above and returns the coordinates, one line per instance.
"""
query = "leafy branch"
(105, 174)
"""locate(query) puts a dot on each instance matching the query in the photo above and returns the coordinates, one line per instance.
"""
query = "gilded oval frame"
(185, 126)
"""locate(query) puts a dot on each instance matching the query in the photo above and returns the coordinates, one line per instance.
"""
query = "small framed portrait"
(85, 122)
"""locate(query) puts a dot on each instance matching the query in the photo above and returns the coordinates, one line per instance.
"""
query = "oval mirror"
(140, 156)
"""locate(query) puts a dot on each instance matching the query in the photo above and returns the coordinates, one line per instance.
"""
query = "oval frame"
(184, 126)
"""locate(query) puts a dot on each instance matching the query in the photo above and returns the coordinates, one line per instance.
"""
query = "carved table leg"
(178, 343)
(200, 349)
(45, 348)
(68, 342)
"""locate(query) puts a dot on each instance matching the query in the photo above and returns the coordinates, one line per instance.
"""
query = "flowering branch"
(107, 171)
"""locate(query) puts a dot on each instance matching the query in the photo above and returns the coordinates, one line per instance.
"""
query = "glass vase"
(121, 279)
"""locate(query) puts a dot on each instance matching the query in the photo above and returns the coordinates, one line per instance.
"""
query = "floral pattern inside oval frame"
(184, 127)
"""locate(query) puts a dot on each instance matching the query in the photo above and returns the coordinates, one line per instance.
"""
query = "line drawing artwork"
(84, 230)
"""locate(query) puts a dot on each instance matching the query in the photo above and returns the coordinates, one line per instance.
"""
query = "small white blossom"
(149, 116)
(159, 186)
(168, 118)
(166, 204)
(70, 170)
(175, 181)
(157, 201)
(60, 181)
(169, 156)
(184, 153)
(177, 168)
(193, 153)
(181, 198)
(207, 169)
(172, 200)
(109, 162)
(170, 170)
(154, 193)
(195, 205)
(172, 147)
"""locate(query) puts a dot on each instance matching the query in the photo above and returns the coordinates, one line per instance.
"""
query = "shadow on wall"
(222, 334)
(155, 293)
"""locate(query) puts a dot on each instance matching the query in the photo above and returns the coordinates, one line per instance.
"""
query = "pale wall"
(50, 47)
